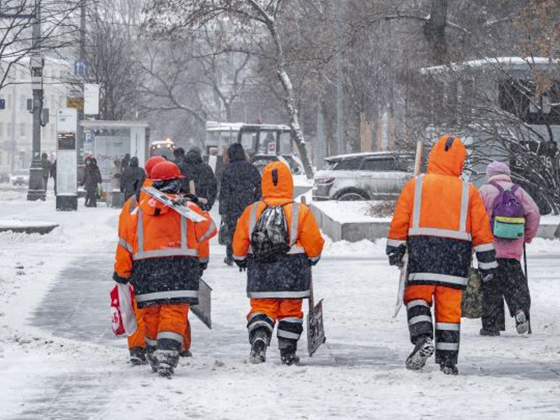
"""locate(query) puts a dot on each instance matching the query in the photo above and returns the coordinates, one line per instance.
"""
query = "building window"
(22, 103)
(22, 129)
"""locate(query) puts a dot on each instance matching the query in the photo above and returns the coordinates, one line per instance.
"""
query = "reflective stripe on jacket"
(288, 277)
(159, 252)
(441, 218)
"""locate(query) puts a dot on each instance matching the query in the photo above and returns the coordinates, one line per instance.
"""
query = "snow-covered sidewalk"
(59, 359)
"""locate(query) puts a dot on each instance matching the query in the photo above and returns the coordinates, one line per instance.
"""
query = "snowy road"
(61, 361)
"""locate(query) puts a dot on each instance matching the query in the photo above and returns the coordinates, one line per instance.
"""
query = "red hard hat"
(164, 171)
(150, 163)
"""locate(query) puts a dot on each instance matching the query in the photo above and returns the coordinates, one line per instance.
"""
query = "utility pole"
(80, 132)
(36, 187)
(340, 144)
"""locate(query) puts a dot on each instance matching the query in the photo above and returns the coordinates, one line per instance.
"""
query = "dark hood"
(194, 156)
(236, 152)
(134, 162)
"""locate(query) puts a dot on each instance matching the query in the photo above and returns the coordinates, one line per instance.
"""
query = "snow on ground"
(59, 359)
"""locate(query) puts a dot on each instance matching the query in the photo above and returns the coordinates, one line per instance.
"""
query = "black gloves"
(203, 265)
(191, 197)
(396, 254)
(120, 279)
(242, 264)
(313, 262)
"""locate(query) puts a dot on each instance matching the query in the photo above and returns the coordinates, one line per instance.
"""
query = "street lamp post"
(36, 187)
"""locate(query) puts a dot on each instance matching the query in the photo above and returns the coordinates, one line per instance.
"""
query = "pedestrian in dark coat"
(46, 165)
(53, 175)
(194, 169)
(132, 179)
(240, 187)
(178, 156)
(92, 177)
(509, 283)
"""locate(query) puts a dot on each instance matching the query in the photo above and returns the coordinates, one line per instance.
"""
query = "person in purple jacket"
(509, 281)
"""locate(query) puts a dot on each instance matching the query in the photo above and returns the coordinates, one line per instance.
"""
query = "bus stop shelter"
(110, 141)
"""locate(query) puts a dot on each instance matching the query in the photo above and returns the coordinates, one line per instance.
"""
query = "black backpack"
(269, 239)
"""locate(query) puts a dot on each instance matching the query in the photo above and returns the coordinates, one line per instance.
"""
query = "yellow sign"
(76, 103)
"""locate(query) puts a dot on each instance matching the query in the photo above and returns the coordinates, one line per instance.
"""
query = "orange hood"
(277, 184)
(450, 161)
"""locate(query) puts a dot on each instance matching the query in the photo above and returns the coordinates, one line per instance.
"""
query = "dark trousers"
(91, 198)
(45, 182)
(509, 283)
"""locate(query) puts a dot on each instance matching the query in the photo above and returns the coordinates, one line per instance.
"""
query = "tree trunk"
(434, 30)
(289, 101)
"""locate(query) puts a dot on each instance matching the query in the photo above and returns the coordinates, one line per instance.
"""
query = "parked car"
(364, 176)
(4, 177)
(20, 177)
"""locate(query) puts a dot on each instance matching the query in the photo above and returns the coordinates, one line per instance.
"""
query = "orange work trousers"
(137, 339)
(418, 300)
(276, 309)
(166, 321)
(187, 338)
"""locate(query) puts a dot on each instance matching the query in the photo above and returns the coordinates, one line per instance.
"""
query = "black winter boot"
(423, 350)
(151, 358)
(137, 356)
(288, 350)
(260, 339)
(167, 362)
(449, 369)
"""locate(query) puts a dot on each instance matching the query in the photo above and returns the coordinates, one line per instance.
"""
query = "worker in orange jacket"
(439, 220)
(163, 255)
(277, 286)
(136, 344)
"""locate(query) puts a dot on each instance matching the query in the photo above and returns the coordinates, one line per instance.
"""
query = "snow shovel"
(315, 326)
(203, 310)
(404, 269)
(176, 205)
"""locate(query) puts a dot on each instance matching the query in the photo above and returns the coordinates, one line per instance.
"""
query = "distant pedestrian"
(53, 175)
(116, 175)
(132, 179)
(193, 168)
(240, 187)
(509, 283)
(178, 156)
(125, 162)
(92, 177)
(46, 165)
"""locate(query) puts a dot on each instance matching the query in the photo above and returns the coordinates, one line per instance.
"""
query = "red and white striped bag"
(123, 318)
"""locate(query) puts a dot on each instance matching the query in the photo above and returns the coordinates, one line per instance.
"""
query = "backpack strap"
(496, 185)
(294, 227)
(514, 188)
(253, 217)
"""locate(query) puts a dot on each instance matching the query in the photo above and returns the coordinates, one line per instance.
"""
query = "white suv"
(364, 176)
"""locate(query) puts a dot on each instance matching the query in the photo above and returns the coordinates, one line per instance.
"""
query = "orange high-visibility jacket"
(160, 252)
(129, 206)
(441, 218)
(290, 276)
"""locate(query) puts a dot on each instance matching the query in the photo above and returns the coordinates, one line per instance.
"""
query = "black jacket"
(92, 175)
(240, 185)
(193, 168)
(132, 179)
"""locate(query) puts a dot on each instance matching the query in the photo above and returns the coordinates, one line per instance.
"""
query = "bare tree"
(16, 21)
(257, 19)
